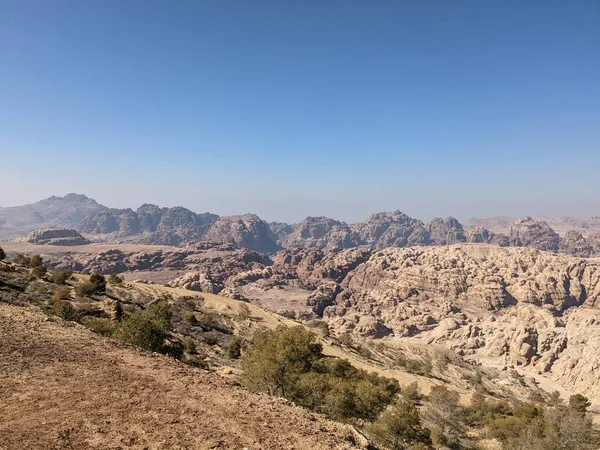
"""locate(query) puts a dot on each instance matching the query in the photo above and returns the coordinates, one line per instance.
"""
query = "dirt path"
(63, 387)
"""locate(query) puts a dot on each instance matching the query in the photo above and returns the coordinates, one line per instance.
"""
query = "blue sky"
(289, 109)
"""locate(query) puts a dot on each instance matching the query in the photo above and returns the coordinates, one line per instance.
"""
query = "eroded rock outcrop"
(150, 224)
(533, 233)
(391, 229)
(248, 231)
(445, 231)
(322, 233)
(57, 236)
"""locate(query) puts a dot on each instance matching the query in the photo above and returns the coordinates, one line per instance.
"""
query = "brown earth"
(64, 387)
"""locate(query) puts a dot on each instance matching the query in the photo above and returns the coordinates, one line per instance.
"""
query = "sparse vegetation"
(99, 283)
(243, 311)
(289, 362)
(100, 325)
(115, 279)
(191, 318)
(61, 293)
(60, 276)
(146, 329)
(39, 271)
(234, 349)
(65, 310)
(399, 427)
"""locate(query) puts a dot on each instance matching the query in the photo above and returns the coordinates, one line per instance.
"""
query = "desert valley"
(501, 315)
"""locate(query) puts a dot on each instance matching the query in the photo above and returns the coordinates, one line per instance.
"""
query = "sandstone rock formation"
(216, 262)
(322, 233)
(391, 229)
(150, 224)
(56, 236)
(573, 243)
(247, 231)
(529, 232)
(445, 231)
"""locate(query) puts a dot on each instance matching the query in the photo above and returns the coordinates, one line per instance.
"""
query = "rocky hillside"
(63, 212)
(78, 390)
(505, 307)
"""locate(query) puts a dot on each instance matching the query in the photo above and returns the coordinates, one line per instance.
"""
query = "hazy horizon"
(299, 219)
(338, 108)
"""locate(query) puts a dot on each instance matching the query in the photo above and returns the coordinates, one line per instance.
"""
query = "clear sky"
(314, 107)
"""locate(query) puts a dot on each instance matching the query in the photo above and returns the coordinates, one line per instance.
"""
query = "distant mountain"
(178, 226)
(62, 212)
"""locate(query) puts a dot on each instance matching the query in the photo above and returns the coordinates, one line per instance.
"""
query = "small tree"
(64, 310)
(115, 279)
(579, 403)
(243, 311)
(234, 350)
(21, 259)
(61, 276)
(279, 357)
(99, 283)
(443, 410)
(39, 271)
(399, 427)
(147, 329)
(2, 254)
(35, 261)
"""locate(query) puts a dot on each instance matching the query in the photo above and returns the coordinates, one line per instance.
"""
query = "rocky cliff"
(150, 224)
(248, 231)
(322, 233)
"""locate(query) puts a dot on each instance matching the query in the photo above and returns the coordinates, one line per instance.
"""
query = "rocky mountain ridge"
(151, 224)
(62, 212)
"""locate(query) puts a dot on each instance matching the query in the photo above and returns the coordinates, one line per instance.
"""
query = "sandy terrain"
(26, 247)
(64, 387)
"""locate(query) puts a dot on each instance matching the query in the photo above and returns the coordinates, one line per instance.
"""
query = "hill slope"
(64, 387)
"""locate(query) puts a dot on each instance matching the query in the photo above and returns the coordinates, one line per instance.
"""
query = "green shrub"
(289, 362)
(39, 271)
(399, 427)
(100, 325)
(191, 319)
(21, 260)
(147, 329)
(85, 289)
(115, 279)
(65, 310)
(189, 345)
(60, 276)
(579, 403)
(35, 261)
(99, 283)
(234, 349)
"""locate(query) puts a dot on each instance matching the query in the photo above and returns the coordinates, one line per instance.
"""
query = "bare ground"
(64, 387)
